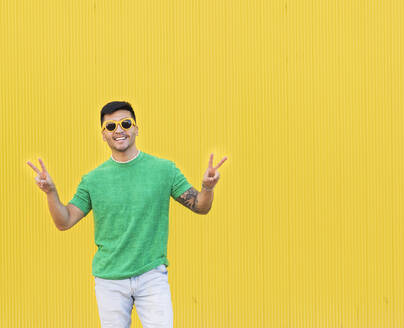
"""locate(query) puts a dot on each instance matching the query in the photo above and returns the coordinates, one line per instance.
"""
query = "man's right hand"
(64, 216)
(43, 179)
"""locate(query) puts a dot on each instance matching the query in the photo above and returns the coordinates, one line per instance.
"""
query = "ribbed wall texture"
(306, 99)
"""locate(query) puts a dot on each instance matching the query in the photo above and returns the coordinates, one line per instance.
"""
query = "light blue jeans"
(149, 292)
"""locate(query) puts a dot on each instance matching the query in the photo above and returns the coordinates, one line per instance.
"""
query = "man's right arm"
(63, 216)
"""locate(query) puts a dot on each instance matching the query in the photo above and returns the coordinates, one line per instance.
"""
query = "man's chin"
(121, 150)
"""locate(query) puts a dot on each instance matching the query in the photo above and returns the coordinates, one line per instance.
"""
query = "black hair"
(113, 106)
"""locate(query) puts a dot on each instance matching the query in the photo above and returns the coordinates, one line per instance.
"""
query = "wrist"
(207, 188)
(51, 192)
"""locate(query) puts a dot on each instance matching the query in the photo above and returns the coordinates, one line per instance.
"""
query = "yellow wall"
(306, 99)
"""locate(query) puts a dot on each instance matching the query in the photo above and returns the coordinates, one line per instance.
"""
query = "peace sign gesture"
(211, 176)
(43, 179)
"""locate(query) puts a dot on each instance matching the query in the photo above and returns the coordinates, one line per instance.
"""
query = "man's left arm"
(201, 202)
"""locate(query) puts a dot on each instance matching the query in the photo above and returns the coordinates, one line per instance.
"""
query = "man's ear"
(136, 130)
(103, 136)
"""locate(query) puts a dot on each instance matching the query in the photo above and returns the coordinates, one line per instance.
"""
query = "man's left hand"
(212, 175)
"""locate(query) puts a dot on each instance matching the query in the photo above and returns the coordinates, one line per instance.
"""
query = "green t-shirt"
(130, 203)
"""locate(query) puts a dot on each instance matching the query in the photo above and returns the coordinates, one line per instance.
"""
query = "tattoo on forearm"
(189, 199)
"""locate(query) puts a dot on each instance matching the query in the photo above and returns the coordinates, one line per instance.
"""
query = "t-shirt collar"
(138, 155)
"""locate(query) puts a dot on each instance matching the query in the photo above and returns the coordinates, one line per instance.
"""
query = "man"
(129, 195)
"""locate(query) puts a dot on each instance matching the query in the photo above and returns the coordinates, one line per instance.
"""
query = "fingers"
(213, 178)
(210, 172)
(210, 182)
(34, 167)
(43, 184)
(42, 176)
(40, 181)
(220, 163)
(42, 165)
(44, 172)
(210, 161)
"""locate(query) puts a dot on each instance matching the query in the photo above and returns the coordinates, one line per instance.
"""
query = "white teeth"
(121, 138)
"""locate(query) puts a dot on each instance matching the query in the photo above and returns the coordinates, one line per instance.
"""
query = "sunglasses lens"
(110, 126)
(126, 124)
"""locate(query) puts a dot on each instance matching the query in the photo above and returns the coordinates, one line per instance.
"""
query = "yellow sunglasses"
(125, 124)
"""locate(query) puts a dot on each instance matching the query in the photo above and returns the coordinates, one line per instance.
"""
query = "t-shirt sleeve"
(82, 198)
(180, 184)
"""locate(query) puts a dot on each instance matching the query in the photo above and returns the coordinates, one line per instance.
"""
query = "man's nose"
(119, 129)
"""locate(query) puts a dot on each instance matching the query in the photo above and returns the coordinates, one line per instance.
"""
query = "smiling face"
(120, 140)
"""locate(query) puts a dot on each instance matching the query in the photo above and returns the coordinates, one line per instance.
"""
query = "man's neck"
(125, 156)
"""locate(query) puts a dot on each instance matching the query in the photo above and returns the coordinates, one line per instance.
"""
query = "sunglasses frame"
(104, 125)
